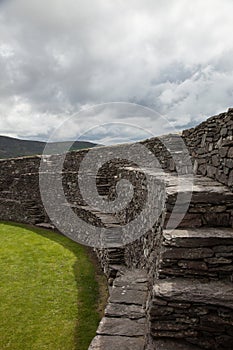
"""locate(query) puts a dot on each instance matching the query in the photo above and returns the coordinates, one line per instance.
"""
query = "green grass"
(49, 294)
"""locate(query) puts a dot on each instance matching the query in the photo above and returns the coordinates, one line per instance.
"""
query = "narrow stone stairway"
(192, 298)
(211, 202)
(191, 305)
(124, 323)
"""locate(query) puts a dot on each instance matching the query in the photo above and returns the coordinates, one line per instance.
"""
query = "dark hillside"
(11, 147)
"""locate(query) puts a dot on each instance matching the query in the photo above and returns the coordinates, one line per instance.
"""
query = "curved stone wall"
(211, 147)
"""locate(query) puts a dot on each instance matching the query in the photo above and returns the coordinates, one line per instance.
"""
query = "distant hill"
(12, 148)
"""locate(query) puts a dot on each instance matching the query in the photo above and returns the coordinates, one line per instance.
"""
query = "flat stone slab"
(132, 277)
(122, 295)
(136, 280)
(123, 310)
(167, 344)
(117, 342)
(204, 190)
(124, 324)
(199, 237)
(46, 225)
(211, 293)
(122, 327)
(189, 254)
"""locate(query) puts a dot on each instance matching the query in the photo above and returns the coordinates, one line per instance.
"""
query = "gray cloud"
(61, 56)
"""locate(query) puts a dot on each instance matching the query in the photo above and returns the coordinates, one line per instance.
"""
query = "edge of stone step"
(197, 237)
(124, 324)
(217, 293)
(170, 344)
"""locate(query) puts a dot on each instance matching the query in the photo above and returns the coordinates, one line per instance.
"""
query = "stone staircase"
(192, 297)
(211, 203)
(204, 253)
(191, 301)
(114, 254)
(194, 311)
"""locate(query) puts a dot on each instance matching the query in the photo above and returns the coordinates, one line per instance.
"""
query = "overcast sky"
(58, 57)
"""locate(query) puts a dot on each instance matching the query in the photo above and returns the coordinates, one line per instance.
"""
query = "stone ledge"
(198, 313)
(118, 342)
(207, 236)
(184, 290)
(167, 344)
(124, 324)
(122, 327)
(132, 312)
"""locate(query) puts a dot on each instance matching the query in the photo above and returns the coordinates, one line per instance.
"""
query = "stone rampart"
(200, 249)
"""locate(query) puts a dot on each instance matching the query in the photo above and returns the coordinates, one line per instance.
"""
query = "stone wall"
(20, 198)
(208, 258)
(198, 313)
(211, 147)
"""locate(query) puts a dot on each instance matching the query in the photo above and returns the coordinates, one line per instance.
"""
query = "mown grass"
(49, 295)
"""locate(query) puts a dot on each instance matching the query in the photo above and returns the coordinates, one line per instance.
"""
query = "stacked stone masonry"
(124, 323)
(211, 147)
(187, 272)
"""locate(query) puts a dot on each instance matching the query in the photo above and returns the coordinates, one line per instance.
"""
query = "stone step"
(197, 312)
(112, 233)
(107, 219)
(211, 203)
(204, 252)
(168, 344)
(124, 323)
(118, 342)
(203, 201)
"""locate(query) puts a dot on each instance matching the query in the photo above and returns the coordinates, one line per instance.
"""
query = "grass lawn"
(50, 291)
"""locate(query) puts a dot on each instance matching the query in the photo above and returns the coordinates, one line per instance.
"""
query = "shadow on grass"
(90, 281)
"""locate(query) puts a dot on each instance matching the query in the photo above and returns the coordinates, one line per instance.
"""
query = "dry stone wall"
(201, 256)
(211, 147)
(200, 313)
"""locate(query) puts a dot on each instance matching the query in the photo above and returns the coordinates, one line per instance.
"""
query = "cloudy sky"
(59, 57)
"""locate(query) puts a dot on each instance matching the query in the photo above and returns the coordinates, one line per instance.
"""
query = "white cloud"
(61, 55)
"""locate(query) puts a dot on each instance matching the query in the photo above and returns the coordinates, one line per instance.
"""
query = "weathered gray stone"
(223, 151)
(230, 153)
(208, 208)
(212, 293)
(167, 344)
(174, 271)
(182, 334)
(124, 323)
(204, 237)
(211, 170)
(127, 296)
(221, 219)
(229, 163)
(122, 310)
(118, 342)
(215, 160)
(230, 179)
(193, 265)
(188, 254)
(217, 261)
(122, 327)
